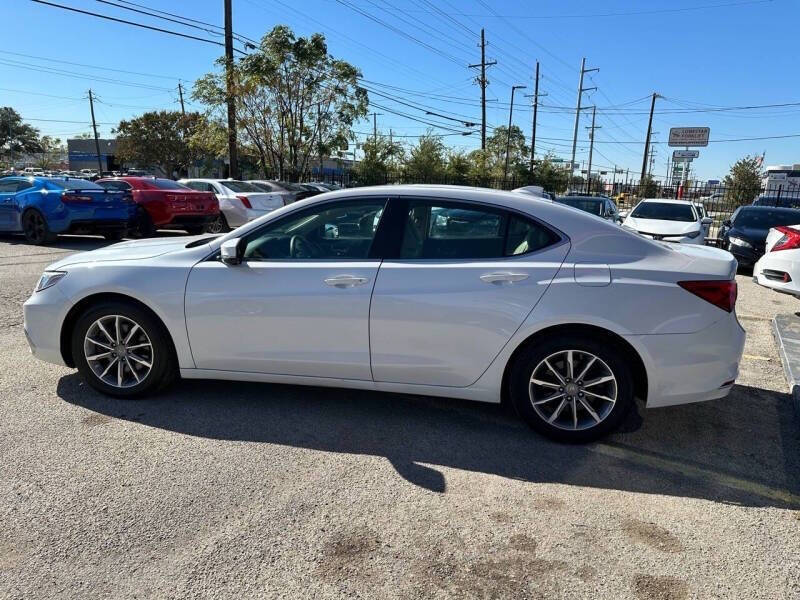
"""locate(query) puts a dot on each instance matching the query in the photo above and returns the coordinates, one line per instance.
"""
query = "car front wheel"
(122, 350)
(572, 389)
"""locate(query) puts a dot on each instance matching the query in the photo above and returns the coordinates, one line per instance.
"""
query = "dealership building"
(82, 154)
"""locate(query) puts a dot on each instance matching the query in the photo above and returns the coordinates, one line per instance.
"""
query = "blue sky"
(698, 54)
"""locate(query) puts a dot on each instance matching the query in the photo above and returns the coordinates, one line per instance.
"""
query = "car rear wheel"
(218, 225)
(572, 389)
(122, 350)
(35, 228)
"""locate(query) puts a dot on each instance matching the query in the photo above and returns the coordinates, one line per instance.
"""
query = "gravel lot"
(221, 490)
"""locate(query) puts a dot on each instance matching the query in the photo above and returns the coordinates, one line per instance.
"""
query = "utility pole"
(180, 95)
(96, 142)
(375, 126)
(233, 158)
(483, 83)
(508, 133)
(535, 97)
(647, 138)
(581, 89)
(591, 149)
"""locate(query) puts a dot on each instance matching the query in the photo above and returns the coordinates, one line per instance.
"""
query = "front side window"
(8, 186)
(462, 231)
(200, 186)
(330, 232)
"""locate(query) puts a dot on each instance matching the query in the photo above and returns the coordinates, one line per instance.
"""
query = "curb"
(786, 331)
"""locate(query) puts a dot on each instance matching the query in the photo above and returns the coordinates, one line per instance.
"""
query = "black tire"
(196, 230)
(162, 359)
(218, 225)
(610, 356)
(114, 236)
(144, 224)
(35, 228)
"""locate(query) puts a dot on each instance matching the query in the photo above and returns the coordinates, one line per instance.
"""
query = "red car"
(166, 204)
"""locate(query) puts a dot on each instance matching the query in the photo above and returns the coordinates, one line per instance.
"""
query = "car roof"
(669, 201)
(758, 207)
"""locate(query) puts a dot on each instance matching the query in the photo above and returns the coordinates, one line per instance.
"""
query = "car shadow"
(744, 449)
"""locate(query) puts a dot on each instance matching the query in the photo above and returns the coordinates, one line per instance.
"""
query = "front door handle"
(503, 277)
(345, 281)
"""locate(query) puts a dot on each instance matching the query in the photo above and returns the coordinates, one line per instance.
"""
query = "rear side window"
(463, 231)
(8, 187)
(166, 184)
(115, 185)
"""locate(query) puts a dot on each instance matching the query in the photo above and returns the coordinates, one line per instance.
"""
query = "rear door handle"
(503, 277)
(345, 281)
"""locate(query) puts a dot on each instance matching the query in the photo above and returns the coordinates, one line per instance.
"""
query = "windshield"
(664, 211)
(75, 184)
(589, 205)
(764, 219)
(240, 186)
(168, 184)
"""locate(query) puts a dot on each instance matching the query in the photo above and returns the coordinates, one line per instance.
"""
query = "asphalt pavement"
(233, 490)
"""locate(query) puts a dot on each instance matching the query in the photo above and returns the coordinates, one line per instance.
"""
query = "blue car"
(43, 207)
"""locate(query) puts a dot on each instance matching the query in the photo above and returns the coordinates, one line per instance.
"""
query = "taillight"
(245, 201)
(721, 293)
(170, 197)
(789, 241)
(68, 197)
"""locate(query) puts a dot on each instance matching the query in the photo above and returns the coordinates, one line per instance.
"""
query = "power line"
(74, 75)
(133, 23)
(74, 64)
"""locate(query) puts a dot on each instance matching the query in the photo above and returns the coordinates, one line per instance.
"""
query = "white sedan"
(437, 290)
(678, 221)
(239, 201)
(779, 268)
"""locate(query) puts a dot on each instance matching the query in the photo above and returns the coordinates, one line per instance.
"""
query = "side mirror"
(727, 222)
(623, 214)
(707, 220)
(231, 251)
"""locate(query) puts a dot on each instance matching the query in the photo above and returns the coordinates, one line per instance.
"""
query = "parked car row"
(119, 205)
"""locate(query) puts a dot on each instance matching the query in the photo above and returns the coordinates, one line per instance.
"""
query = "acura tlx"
(438, 290)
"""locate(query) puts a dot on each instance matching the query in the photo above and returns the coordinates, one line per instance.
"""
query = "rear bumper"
(99, 226)
(691, 367)
(744, 256)
(180, 221)
(236, 214)
(772, 261)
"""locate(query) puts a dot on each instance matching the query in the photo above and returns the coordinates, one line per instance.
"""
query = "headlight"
(740, 242)
(48, 279)
(692, 234)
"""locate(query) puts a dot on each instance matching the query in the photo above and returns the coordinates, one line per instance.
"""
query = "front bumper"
(44, 314)
(744, 256)
(673, 239)
(691, 367)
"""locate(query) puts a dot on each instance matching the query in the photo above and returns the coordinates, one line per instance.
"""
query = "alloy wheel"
(35, 227)
(118, 351)
(573, 390)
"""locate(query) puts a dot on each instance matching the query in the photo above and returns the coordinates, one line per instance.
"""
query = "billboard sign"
(689, 136)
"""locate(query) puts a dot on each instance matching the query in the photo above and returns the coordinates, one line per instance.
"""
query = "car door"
(464, 279)
(8, 207)
(298, 304)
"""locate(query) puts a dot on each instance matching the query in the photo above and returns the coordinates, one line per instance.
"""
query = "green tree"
(17, 137)
(379, 160)
(426, 160)
(459, 166)
(518, 153)
(550, 175)
(648, 187)
(743, 183)
(163, 139)
(294, 101)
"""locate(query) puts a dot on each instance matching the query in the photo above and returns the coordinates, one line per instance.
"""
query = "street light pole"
(508, 133)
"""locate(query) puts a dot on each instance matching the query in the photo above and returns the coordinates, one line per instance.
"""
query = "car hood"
(661, 227)
(133, 250)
